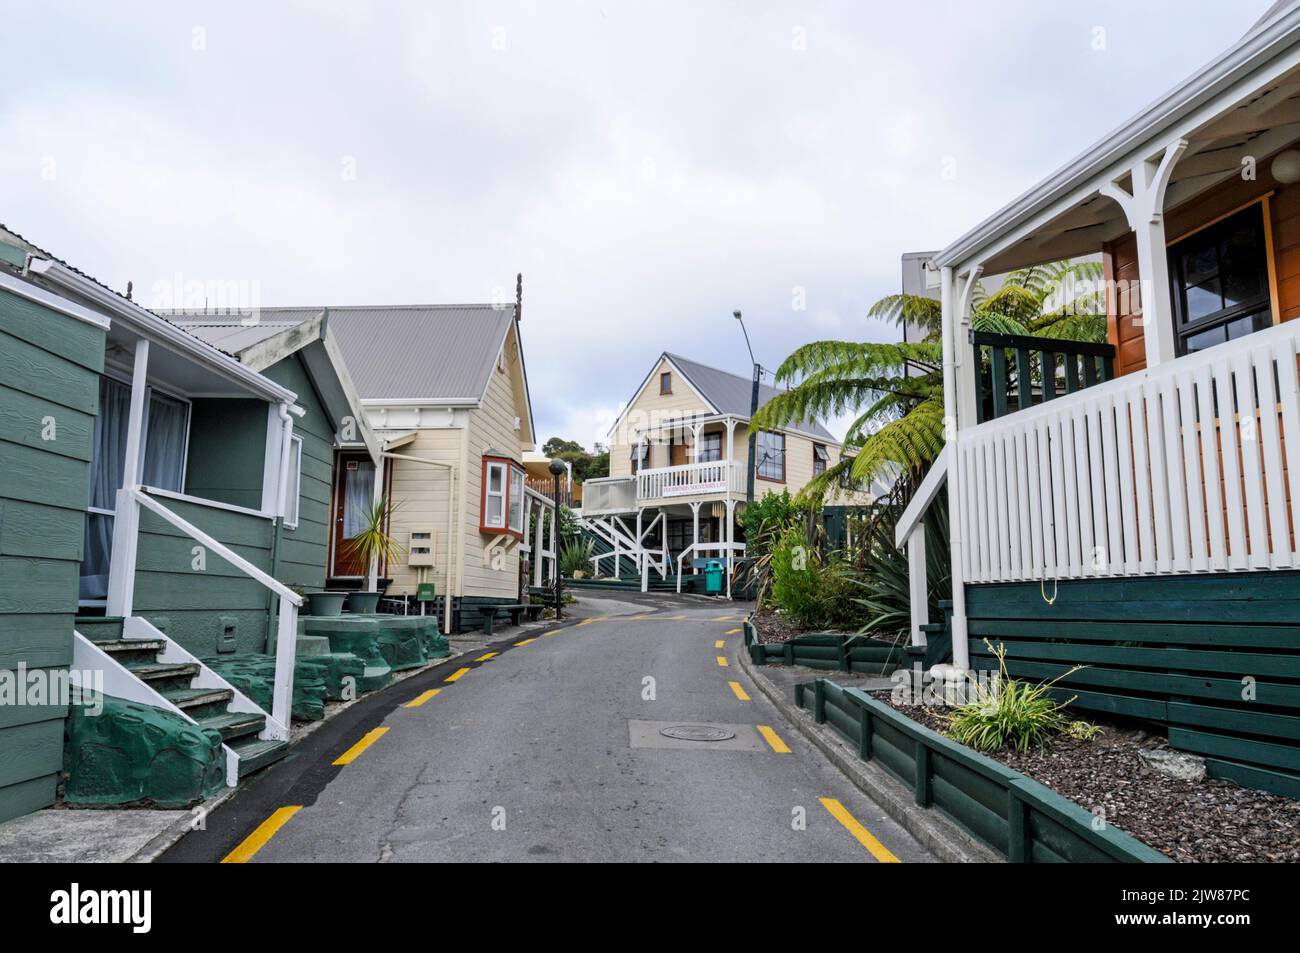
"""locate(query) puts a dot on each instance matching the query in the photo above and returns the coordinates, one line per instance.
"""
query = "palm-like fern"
(897, 389)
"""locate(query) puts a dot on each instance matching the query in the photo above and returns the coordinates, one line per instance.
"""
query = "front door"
(354, 495)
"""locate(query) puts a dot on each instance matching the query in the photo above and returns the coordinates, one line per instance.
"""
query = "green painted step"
(254, 753)
(153, 671)
(100, 628)
(118, 648)
(234, 724)
(199, 702)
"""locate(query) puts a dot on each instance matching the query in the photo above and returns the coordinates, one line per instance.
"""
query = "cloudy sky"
(649, 167)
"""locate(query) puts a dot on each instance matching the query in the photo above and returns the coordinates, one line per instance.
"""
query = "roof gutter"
(162, 332)
(1250, 53)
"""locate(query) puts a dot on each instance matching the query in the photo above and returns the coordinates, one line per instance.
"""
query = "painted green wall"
(227, 451)
(302, 553)
(49, 371)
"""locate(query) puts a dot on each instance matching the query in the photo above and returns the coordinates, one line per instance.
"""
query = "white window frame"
(293, 492)
(515, 474)
(490, 465)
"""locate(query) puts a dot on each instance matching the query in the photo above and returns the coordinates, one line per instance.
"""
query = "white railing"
(609, 495)
(728, 551)
(691, 479)
(1178, 469)
(125, 544)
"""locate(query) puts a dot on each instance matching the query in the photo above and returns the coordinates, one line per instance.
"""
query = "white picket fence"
(1182, 468)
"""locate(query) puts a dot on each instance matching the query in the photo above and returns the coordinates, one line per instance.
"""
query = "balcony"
(686, 483)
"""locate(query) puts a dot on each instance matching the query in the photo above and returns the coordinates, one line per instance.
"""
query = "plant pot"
(325, 603)
(363, 603)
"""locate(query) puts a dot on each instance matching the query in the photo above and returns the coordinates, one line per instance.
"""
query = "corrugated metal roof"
(731, 393)
(433, 352)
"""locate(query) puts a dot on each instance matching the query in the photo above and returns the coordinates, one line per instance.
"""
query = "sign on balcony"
(693, 489)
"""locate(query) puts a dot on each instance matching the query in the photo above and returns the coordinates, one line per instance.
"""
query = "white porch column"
(538, 536)
(730, 537)
(126, 518)
(953, 382)
(695, 442)
(377, 493)
(695, 536)
(917, 582)
(555, 547)
(1144, 208)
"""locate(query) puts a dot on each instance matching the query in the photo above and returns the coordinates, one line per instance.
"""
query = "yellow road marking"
(732, 632)
(773, 739)
(526, 642)
(722, 660)
(421, 698)
(595, 618)
(369, 738)
(680, 618)
(864, 836)
(257, 840)
(454, 676)
(484, 658)
(739, 692)
(725, 618)
(719, 644)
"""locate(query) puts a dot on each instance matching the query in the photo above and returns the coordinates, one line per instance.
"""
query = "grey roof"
(433, 352)
(732, 393)
(229, 335)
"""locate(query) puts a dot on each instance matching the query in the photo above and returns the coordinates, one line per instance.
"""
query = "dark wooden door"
(353, 494)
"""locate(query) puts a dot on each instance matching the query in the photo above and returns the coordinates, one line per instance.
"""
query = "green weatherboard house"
(165, 502)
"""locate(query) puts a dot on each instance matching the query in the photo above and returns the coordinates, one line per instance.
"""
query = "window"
(293, 488)
(666, 383)
(771, 456)
(821, 459)
(1219, 281)
(710, 448)
(640, 457)
(503, 497)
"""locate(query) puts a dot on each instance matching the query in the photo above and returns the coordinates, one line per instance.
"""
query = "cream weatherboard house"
(445, 391)
(1130, 507)
(679, 467)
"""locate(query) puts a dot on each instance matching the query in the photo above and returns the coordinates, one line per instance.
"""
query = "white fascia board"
(162, 332)
(419, 402)
(1179, 111)
(25, 289)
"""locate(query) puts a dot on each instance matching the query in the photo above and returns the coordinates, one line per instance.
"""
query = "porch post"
(730, 538)
(640, 553)
(538, 535)
(695, 536)
(1144, 208)
(953, 401)
(377, 493)
(126, 514)
(555, 545)
(917, 582)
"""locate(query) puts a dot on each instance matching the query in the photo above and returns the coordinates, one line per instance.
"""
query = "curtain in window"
(358, 497)
(164, 454)
(106, 465)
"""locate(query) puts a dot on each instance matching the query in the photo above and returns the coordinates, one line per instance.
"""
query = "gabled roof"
(731, 394)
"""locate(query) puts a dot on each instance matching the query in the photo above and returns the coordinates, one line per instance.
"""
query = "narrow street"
(548, 747)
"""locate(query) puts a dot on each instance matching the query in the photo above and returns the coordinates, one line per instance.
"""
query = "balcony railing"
(691, 479)
(1039, 370)
(1180, 468)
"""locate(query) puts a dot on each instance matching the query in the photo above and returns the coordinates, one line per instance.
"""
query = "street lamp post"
(753, 409)
(557, 467)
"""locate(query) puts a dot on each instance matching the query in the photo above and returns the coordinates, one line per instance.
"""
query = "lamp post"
(557, 467)
(753, 409)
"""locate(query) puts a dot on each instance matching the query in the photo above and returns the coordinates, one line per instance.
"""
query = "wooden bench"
(488, 613)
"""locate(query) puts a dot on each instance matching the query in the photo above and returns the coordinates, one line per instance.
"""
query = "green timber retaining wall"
(49, 398)
(834, 651)
(211, 610)
(1022, 819)
(1214, 657)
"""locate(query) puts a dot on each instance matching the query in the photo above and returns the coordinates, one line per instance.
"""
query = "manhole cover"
(697, 733)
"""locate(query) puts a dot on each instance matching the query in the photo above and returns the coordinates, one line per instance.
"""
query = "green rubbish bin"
(714, 570)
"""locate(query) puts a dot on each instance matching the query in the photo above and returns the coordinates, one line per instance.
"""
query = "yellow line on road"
(595, 618)
(421, 698)
(731, 632)
(719, 644)
(525, 641)
(773, 739)
(864, 836)
(484, 658)
(456, 675)
(680, 618)
(369, 738)
(722, 660)
(739, 692)
(725, 618)
(257, 840)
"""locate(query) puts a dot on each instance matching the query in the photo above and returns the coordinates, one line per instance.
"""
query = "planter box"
(833, 651)
(1017, 816)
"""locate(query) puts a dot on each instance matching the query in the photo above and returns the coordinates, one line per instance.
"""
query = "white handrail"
(701, 547)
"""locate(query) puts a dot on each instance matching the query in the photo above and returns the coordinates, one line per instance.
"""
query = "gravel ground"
(1190, 821)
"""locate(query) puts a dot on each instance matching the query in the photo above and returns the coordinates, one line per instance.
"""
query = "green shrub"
(797, 580)
(1011, 713)
(575, 557)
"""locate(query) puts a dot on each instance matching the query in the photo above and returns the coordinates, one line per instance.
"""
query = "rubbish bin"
(713, 573)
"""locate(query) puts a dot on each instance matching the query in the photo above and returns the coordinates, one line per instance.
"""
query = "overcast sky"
(650, 167)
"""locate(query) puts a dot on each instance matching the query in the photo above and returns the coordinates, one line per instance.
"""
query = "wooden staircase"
(207, 707)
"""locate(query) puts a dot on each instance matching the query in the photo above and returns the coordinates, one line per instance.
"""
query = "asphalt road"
(551, 750)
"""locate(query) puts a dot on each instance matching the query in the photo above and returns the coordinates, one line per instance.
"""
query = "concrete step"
(234, 725)
(125, 650)
(255, 754)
